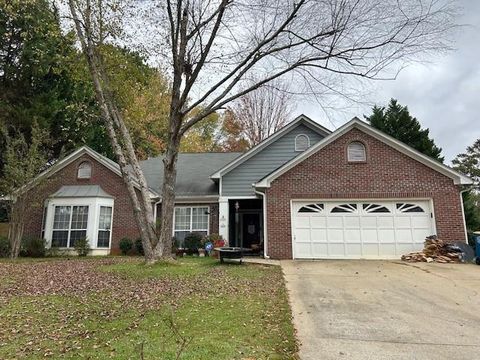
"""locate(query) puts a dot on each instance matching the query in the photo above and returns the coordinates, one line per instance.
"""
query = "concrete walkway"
(385, 310)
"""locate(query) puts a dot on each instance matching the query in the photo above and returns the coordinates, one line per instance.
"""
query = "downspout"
(463, 211)
(264, 197)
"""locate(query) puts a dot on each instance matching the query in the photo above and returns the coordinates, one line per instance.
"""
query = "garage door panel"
(336, 249)
(318, 222)
(421, 222)
(363, 229)
(385, 222)
(404, 235)
(335, 222)
(370, 250)
(403, 248)
(351, 222)
(335, 235)
(303, 221)
(318, 235)
(386, 235)
(387, 249)
(368, 222)
(303, 250)
(352, 235)
(369, 235)
(403, 221)
(303, 235)
(319, 250)
(420, 235)
(353, 250)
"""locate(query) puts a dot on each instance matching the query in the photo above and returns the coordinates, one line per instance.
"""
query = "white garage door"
(359, 229)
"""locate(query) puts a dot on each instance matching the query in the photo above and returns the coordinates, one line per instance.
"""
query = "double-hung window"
(69, 225)
(104, 227)
(190, 219)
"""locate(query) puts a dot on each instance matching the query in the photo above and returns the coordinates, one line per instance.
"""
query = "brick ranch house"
(305, 193)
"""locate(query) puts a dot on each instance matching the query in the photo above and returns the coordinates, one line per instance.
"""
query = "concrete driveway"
(385, 309)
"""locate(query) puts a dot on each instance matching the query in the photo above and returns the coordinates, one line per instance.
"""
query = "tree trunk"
(168, 196)
(120, 140)
(15, 232)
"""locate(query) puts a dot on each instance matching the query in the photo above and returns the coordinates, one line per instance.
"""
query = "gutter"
(265, 240)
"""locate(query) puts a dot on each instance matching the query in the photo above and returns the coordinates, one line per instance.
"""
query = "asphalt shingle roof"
(193, 172)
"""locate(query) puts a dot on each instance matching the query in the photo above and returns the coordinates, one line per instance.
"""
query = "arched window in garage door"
(409, 208)
(375, 208)
(311, 208)
(345, 208)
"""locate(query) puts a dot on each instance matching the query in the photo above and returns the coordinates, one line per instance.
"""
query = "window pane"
(105, 222)
(61, 219)
(84, 171)
(60, 238)
(199, 219)
(103, 238)
(182, 218)
(77, 235)
(356, 152)
(80, 217)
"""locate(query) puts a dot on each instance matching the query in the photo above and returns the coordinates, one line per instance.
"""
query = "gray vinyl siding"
(238, 182)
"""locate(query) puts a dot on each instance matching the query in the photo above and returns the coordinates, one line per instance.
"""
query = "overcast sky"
(444, 96)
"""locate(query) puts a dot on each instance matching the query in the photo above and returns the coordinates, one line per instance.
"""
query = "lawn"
(120, 308)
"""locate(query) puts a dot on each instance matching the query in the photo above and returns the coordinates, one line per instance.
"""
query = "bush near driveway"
(111, 307)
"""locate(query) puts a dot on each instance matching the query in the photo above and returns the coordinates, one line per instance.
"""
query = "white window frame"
(308, 142)
(97, 227)
(69, 229)
(80, 168)
(191, 218)
(350, 159)
(94, 204)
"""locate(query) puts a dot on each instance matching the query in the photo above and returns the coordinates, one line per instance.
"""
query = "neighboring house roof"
(69, 191)
(458, 178)
(193, 173)
(302, 119)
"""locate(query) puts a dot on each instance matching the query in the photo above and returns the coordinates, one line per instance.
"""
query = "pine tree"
(395, 120)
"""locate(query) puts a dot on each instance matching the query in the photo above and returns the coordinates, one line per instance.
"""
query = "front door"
(250, 230)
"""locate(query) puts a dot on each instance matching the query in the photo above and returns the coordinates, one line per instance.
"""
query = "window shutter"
(356, 152)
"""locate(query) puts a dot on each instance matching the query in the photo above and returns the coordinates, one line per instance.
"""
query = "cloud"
(443, 95)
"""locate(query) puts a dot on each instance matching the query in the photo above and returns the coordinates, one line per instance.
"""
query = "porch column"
(223, 218)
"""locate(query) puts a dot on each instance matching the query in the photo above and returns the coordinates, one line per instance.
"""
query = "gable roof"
(302, 119)
(193, 173)
(84, 150)
(458, 178)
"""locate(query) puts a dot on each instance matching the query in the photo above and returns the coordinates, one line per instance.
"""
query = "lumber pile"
(435, 250)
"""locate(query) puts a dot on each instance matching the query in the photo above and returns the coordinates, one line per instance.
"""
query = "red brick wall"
(123, 225)
(387, 173)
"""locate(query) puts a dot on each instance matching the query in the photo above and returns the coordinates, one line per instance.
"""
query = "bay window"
(104, 227)
(69, 225)
(190, 219)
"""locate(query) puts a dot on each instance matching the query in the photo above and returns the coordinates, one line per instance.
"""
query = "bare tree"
(262, 112)
(218, 51)
(94, 23)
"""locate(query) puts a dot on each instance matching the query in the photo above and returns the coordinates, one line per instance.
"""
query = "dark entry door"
(251, 231)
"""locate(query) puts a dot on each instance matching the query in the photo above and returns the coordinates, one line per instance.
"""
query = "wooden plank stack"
(435, 250)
